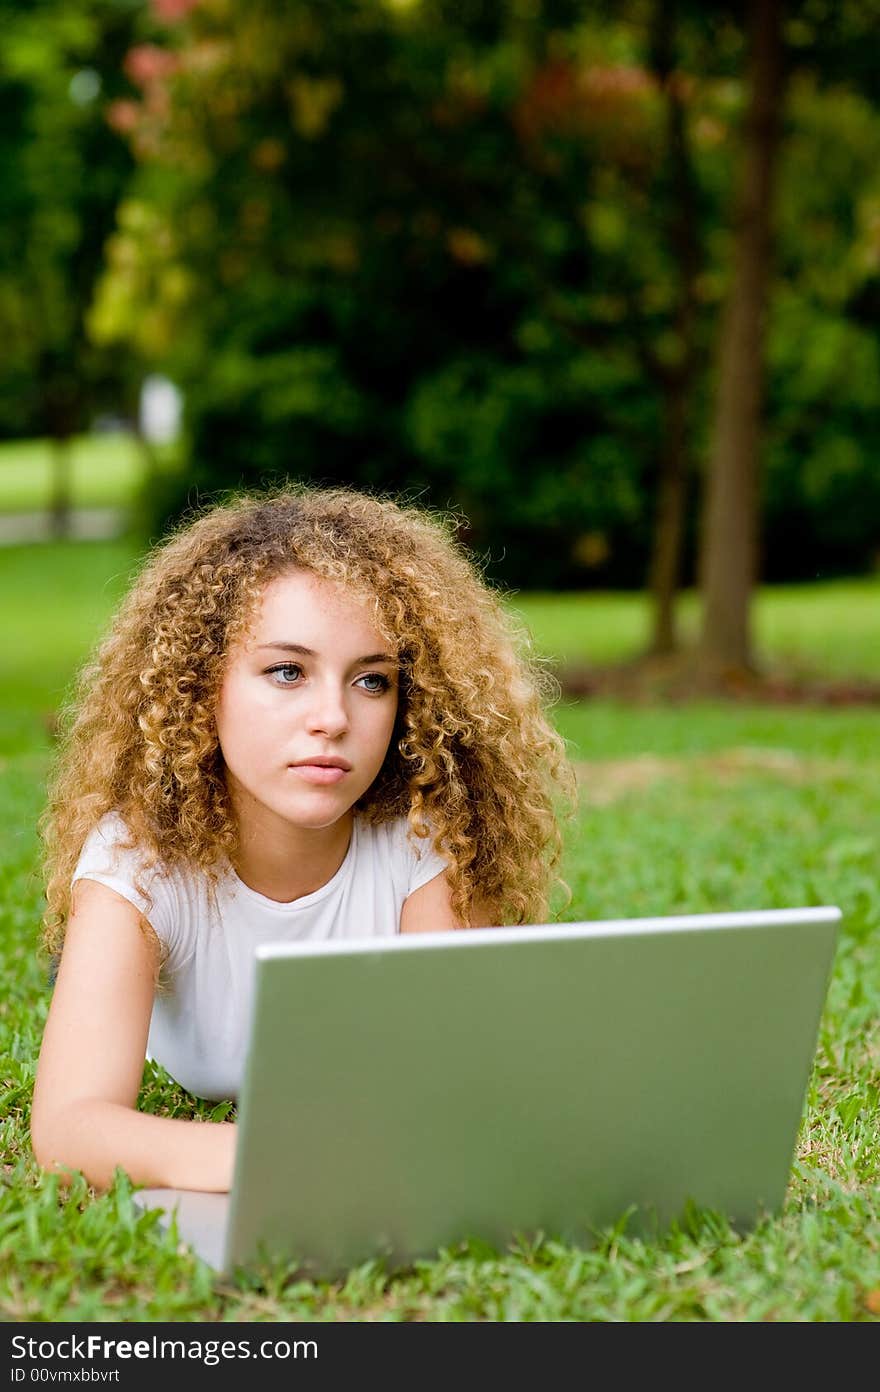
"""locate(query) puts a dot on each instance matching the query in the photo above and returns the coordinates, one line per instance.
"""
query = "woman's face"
(307, 704)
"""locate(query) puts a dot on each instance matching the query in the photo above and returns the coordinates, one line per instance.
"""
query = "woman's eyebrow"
(310, 652)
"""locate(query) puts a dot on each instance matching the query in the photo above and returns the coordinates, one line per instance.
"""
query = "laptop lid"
(403, 1094)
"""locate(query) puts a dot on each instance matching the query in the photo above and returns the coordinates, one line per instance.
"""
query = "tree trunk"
(665, 573)
(664, 576)
(61, 412)
(61, 491)
(728, 567)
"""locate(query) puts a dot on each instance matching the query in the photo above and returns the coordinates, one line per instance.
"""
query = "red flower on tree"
(172, 11)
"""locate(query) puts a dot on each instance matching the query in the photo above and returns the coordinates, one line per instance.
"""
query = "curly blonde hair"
(473, 761)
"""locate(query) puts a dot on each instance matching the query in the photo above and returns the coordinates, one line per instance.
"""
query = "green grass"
(705, 808)
(55, 600)
(829, 628)
(106, 471)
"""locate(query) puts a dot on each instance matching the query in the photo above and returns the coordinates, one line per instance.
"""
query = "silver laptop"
(402, 1095)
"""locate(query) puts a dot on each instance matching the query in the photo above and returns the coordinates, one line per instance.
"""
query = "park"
(599, 285)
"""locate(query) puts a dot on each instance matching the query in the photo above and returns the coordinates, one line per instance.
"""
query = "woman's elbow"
(50, 1147)
(54, 1146)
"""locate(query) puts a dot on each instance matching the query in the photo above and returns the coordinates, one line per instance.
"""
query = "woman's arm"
(92, 1060)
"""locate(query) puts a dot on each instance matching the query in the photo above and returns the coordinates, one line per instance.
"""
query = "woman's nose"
(328, 713)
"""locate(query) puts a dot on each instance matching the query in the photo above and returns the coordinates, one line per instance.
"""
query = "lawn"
(711, 807)
(106, 471)
(827, 628)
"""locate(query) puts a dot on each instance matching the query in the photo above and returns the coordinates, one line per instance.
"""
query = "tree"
(468, 310)
(474, 252)
(63, 173)
(678, 377)
(729, 540)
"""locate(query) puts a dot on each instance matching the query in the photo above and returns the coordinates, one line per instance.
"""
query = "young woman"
(311, 718)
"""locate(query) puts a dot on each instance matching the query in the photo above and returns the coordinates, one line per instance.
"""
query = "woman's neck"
(286, 863)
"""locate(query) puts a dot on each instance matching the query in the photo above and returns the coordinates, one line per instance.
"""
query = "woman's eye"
(374, 682)
(286, 674)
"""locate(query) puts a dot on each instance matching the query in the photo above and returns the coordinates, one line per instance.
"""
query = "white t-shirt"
(199, 1024)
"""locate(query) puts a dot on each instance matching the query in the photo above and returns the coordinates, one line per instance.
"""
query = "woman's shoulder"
(111, 851)
(110, 836)
(411, 855)
(112, 856)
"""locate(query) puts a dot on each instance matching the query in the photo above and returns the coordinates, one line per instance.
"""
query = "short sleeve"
(423, 863)
(107, 859)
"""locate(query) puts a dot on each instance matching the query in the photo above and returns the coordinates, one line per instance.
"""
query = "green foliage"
(430, 247)
(822, 495)
(434, 263)
(64, 171)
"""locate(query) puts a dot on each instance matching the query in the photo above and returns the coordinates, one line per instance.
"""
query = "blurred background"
(601, 279)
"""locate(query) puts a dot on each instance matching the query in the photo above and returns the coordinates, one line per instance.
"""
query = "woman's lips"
(319, 773)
